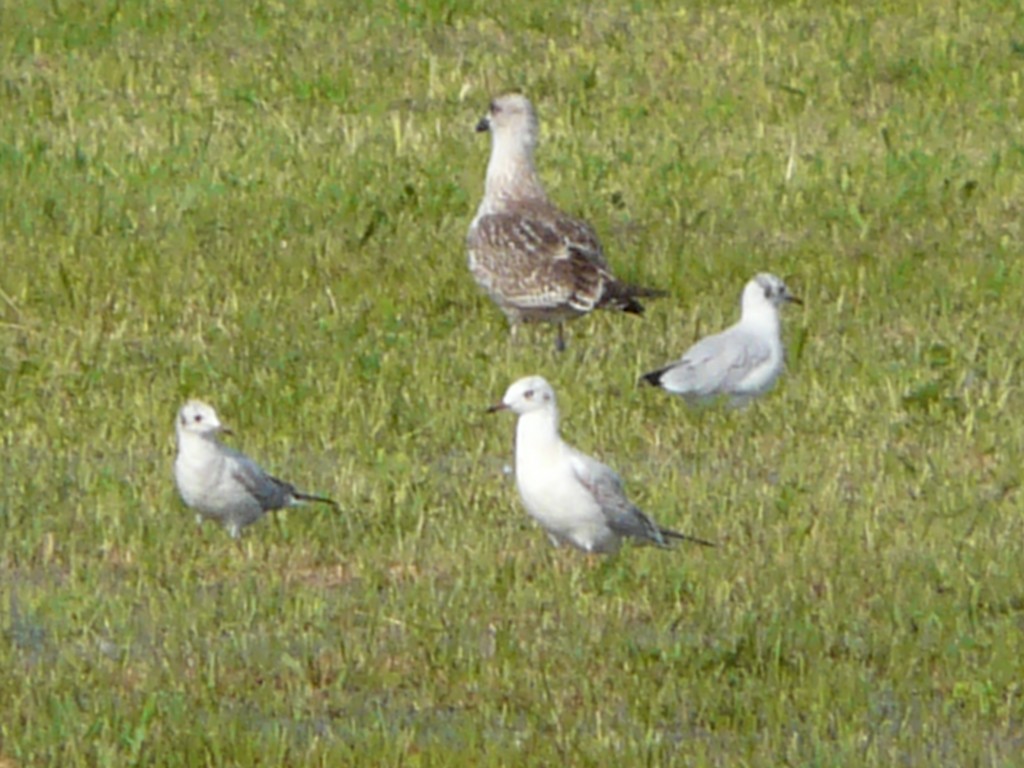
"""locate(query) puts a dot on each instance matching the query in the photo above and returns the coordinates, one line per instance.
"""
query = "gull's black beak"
(483, 125)
(225, 430)
(497, 407)
(794, 299)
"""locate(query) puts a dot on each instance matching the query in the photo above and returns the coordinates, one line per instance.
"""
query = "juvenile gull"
(220, 483)
(536, 262)
(575, 498)
(742, 361)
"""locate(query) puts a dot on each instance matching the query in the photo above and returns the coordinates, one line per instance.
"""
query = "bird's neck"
(763, 317)
(198, 448)
(511, 176)
(537, 436)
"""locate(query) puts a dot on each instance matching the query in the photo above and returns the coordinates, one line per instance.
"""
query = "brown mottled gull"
(536, 262)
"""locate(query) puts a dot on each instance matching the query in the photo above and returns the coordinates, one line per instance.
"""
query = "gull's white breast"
(553, 494)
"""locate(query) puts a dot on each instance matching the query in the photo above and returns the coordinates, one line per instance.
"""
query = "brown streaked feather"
(573, 233)
(534, 260)
(585, 280)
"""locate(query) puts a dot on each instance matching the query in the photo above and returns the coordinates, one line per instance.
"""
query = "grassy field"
(263, 204)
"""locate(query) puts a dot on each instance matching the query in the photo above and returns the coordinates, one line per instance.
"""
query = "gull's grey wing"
(623, 517)
(269, 492)
(715, 365)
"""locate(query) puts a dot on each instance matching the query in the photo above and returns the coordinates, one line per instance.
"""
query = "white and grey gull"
(576, 499)
(536, 262)
(743, 361)
(223, 484)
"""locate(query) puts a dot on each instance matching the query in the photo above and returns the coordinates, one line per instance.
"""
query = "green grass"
(264, 204)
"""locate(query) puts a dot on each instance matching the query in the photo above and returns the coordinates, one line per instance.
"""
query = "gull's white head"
(529, 394)
(511, 118)
(766, 291)
(199, 418)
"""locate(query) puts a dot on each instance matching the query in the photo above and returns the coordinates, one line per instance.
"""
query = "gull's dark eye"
(197, 418)
(528, 394)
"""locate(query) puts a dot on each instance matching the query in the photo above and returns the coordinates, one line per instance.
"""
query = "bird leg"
(560, 339)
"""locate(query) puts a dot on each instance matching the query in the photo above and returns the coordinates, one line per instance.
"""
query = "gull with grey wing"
(223, 484)
(743, 361)
(575, 498)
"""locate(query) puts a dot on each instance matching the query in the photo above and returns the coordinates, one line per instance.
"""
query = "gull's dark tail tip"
(653, 378)
(626, 297)
(319, 499)
(685, 537)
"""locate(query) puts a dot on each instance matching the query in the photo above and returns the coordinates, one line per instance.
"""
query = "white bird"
(220, 483)
(537, 263)
(575, 498)
(742, 361)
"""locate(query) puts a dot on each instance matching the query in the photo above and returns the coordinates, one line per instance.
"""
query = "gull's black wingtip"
(318, 499)
(626, 297)
(686, 537)
(653, 378)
